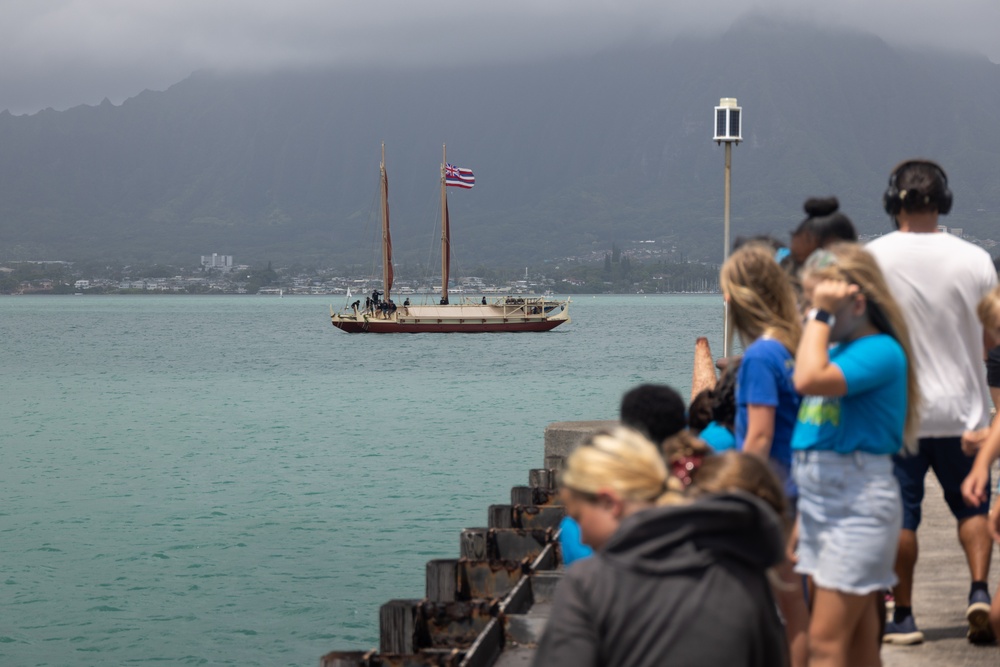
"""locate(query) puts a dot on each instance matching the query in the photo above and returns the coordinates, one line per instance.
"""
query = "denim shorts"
(850, 515)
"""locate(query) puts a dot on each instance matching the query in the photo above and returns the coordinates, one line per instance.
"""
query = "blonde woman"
(859, 407)
(766, 317)
(762, 305)
(672, 581)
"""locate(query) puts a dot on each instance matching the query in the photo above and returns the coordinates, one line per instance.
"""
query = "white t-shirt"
(938, 280)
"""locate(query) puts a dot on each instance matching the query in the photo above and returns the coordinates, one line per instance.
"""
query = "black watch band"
(821, 315)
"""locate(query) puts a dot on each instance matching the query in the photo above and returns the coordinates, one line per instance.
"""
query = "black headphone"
(894, 199)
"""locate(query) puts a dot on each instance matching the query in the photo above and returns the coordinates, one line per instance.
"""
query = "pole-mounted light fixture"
(728, 121)
(728, 130)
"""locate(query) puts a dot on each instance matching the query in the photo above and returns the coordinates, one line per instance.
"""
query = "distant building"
(81, 284)
(216, 261)
(957, 231)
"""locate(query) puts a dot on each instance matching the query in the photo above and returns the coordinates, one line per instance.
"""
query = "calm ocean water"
(230, 480)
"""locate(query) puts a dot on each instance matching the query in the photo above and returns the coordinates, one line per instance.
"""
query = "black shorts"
(993, 367)
(951, 466)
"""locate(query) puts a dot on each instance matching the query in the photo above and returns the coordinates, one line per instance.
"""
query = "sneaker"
(978, 616)
(904, 633)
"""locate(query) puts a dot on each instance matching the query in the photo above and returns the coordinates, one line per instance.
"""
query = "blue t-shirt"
(871, 416)
(718, 437)
(765, 378)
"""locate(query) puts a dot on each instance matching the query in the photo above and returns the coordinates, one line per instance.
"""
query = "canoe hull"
(465, 318)
(383, 326)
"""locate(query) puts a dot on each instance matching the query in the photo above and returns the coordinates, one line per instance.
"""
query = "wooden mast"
(445, 241)
(386, 239)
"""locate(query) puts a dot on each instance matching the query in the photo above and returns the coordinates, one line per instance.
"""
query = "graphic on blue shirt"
(818, 410)
(871, 416)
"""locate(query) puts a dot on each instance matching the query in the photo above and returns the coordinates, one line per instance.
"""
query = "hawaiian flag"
(458, 177)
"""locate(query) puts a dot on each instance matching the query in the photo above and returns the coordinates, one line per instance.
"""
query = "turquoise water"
(230, 480)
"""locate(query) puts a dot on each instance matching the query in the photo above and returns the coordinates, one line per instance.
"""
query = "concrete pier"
(940, 595)
(489, 607)
(562, 437)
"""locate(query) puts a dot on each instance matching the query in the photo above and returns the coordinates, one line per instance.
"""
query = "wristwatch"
(823, 316)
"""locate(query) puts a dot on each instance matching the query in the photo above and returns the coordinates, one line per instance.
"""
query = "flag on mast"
(459, 177)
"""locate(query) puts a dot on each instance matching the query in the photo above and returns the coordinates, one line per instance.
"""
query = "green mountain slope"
(569, 154)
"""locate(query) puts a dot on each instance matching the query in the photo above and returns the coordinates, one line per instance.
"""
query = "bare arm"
(974, 486)
(760, 430)
(814, 374)
(994, 522)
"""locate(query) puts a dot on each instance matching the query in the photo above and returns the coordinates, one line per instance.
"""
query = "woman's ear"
(860, 305)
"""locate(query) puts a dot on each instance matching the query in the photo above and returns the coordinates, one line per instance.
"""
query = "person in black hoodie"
(674, 581)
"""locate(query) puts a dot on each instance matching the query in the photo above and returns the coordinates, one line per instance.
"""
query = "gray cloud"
(61, 53)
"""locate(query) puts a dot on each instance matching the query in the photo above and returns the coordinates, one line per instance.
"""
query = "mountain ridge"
(570, 154)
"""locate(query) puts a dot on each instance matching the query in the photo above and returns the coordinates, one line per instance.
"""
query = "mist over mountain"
(570, 154)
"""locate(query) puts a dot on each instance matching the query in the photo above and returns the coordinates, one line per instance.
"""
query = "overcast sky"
(61, 53)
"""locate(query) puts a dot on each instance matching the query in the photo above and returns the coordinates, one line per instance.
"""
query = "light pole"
(728, 130)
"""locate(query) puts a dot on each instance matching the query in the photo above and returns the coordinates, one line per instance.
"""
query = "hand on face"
(832, 295)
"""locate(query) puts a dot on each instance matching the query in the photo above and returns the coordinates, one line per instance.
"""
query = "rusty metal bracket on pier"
(476, 606)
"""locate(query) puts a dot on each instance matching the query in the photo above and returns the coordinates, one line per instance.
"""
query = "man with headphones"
(938, 279)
